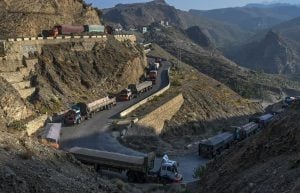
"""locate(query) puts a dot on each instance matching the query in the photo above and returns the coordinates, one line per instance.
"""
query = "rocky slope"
(29, 18)
(273, 54)
(69, 72)
(211, 62)
(253, 17)
(143, 14)
(268, 162)
(27, 166)
(12, 107)
(274, 51)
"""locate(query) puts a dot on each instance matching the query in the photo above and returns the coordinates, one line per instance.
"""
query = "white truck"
(137, 168)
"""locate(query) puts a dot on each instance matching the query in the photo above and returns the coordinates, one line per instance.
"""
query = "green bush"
(200, 172)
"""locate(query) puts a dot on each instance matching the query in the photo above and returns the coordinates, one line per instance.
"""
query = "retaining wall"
(34, 125)
(153, 122)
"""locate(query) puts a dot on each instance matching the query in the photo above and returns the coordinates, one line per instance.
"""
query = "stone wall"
(153, 122)
(36, 124)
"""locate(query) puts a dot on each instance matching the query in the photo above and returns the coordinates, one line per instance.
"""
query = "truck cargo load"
(137, 168)
(95, 28)
(67, 29)
(212, 146)
(141, 87)
(81, 111)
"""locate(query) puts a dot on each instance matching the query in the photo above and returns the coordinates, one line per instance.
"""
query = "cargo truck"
(152, 76)
(134, 90)
(137, 168)
(82, 111)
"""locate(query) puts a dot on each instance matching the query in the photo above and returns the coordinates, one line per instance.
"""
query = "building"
(144, 30)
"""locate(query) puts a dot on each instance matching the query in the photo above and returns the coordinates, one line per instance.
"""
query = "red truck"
(67, 30)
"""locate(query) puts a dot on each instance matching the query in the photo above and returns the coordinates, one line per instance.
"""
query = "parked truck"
(152, 76)
(134, 90)
(213, 146)
(137, 168)
(82, 111)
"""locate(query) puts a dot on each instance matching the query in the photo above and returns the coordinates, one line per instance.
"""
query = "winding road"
(95, 134)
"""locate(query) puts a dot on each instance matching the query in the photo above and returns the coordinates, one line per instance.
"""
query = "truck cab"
(126, 95)
(73, 116)
(153, 76)
(169, 170)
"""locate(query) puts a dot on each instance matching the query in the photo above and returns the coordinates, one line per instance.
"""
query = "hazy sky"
(192, 4)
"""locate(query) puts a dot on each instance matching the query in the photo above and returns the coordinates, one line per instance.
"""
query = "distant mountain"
(143, 14)
(275, 51)
(254, 16)
(247, 83)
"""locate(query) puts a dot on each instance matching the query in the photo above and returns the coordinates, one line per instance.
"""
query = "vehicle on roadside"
(138, 168)
(152, 76)
(125, 95)
(213, 146)
(82, 111)
(67, 29)
(135, 90)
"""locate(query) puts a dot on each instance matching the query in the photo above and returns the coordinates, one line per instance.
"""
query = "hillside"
(275, 51)
(245, 82)
(253, 17)
(69, 72)
(267, 162)
(143, 14)
(29, 18)
(208, 107)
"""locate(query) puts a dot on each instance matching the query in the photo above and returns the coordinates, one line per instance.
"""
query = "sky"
(192, 4)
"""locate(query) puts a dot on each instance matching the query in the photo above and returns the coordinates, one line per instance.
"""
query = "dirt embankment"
(29, 167)
(69, 73)
(267, 162)
(29, 18)
(12, 107)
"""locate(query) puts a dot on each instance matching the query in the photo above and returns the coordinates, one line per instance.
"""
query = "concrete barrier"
(142, 102)
(50, 38)
(58, 38)
(26, 39)
(40, 38)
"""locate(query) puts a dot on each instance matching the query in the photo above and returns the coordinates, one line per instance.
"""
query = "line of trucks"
(213, 146)
(138, 169)
(83, 111)
(67, 29)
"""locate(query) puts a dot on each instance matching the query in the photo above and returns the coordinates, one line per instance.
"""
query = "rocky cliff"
(30, 17)
(273, 54)
(84, 71)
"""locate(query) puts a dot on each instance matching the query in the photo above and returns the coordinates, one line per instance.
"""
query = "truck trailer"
(137, 168)
(134, 90)
(82, 111)
(140, 88)
(213, 146)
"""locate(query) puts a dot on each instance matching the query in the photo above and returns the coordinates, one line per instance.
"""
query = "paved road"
(94, 133)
